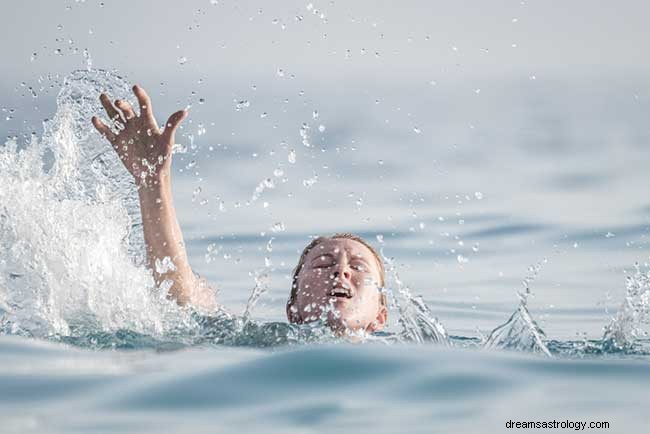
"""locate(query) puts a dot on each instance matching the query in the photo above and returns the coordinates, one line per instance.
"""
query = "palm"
(144, 149)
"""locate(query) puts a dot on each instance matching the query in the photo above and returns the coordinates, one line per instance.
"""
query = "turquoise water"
(511, 243)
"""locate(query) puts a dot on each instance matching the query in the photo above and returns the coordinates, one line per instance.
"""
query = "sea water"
(515, 258)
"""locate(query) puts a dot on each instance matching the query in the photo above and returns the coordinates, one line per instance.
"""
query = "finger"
(103, 129)
(111, 111)
(126, 108)
(144, 101)
(172, 124)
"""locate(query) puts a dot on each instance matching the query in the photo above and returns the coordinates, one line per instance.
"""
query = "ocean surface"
(514, 221)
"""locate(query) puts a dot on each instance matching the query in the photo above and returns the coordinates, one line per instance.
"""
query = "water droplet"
(417, 130)
(280, 72)
(305, 136)
(609, 235)
(177, 148)
(59, 27)
(309, 182)
(278, 172)
(292, 157)
(195, 193)
(278, 227)
(263, 115)
(165, 265)
(478, 195)
(462, 259)
(321, 128)
(182, 60)
(242, 105)
(315, 114)
(380, 238)
(380, 162)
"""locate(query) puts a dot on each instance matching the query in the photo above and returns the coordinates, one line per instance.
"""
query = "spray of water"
(72, 254)
(71, 243)
(628, 323)
(520, 332)
(415, 318)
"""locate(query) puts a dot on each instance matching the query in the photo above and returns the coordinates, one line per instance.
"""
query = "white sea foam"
(70, 233)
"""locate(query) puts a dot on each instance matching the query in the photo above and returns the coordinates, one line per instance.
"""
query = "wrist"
(153, 185)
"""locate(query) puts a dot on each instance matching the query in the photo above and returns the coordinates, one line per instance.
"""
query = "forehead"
(338, 245)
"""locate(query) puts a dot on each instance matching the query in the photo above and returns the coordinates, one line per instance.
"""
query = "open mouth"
(340, 292)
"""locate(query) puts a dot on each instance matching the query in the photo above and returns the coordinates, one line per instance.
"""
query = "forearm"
(162, 234)
(164, 239)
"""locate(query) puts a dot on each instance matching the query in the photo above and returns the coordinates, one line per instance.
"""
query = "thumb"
(172, 124)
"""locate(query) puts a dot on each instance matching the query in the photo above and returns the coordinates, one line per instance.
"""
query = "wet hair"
(294, 317)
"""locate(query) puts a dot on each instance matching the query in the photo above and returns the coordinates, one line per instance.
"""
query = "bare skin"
(340, 278)
(146, 151)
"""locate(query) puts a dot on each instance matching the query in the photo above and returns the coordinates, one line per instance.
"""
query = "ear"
(379, 322)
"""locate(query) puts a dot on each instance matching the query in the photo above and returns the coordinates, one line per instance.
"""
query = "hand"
(144, 149)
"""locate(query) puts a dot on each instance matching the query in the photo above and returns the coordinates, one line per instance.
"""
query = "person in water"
(337, 279)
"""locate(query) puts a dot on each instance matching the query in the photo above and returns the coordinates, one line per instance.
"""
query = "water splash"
(627, 326)
(519, 333)
(261, 286)
(415, 318)
(71, 243)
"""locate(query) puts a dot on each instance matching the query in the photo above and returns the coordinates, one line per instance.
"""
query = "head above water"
(339, 277)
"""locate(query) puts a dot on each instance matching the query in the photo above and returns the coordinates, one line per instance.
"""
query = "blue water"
(518, 218)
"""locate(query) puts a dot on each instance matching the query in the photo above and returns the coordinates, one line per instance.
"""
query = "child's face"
(341, 277)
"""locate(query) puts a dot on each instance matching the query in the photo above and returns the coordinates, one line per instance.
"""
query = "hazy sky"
(319, 42)
(255, 38)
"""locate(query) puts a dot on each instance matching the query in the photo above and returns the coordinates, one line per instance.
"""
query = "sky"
(210, 49)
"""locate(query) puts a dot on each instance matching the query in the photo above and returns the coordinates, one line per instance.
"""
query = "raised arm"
(146, 152)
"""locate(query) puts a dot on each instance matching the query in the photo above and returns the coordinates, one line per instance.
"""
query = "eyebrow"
(329, 255)
(360, 258)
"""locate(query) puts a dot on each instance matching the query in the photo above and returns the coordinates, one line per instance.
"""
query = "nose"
(342, 271)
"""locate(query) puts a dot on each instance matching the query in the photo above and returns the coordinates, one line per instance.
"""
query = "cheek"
(366, 280)
(311, 285)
